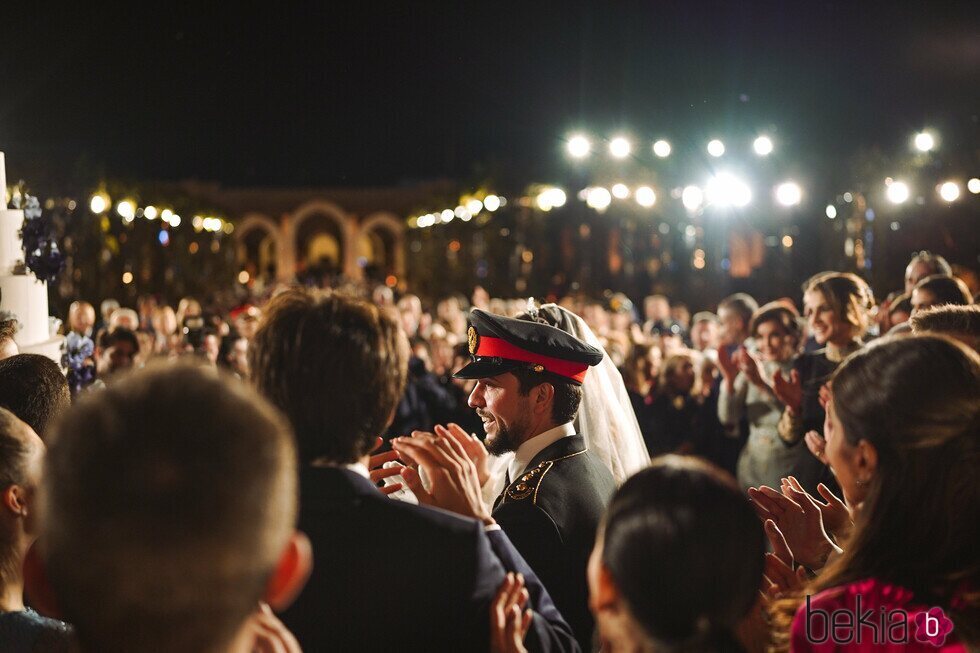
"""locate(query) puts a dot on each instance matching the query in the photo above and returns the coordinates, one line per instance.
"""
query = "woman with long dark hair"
(902, 439)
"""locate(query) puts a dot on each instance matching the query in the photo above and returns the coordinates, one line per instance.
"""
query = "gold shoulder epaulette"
(527, 484)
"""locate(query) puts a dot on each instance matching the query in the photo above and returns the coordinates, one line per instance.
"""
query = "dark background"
(375, 93)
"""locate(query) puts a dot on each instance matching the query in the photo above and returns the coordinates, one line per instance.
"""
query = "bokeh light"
(579, 147)
(619, 147)
(645, 196)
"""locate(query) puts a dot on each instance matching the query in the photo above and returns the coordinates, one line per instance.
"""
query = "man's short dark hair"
(946, 289)
(948, 319)
(33, 388)
(120, 334)
(167, 502)
(335, 365)
(568, 395)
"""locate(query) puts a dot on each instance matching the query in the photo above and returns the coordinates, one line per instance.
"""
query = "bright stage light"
(150, 212)
(551, 198)
(175, 220)
(831, 211)
(897, 192)
(491, 203)
(973, 185)
(662, 149)
(692, 198)
(447, 215)
(950, 191)
(762, 146)
(474, 206)
(789, 193)
(727, 190)
(166, 214)
(127, 278)
(126, 210)
(579, 147)
(716, 148)
(99, 203)
(924, 141)
(645, 196)
(620, 191)
(619, 147)
(598, 198)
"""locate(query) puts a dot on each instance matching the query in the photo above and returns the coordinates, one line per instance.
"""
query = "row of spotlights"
(580, 146)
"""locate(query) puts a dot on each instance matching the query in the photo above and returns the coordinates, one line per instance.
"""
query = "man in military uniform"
(528, 390)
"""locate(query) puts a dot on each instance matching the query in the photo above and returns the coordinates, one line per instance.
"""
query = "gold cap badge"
(473, 340)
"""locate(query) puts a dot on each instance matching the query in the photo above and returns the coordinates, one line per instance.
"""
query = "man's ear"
(544, 393)
(291, 572)
(12, 499)
(37, 588)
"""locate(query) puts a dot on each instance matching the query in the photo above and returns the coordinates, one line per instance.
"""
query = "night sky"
(367, 93)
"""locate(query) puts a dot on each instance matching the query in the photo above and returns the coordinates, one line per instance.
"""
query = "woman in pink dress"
(903, 438)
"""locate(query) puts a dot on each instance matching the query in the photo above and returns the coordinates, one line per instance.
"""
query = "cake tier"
(50, 348)
(27, 298)
(11, 248)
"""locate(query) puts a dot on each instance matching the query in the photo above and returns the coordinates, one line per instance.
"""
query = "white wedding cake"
(22, 294)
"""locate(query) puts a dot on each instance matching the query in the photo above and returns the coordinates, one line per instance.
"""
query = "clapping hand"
(837, 518)
(778, 571)
(749, 366)
(472, 447)
(453, 480)
(728, 364)
(509, 621)
(378, 473)
(789, 391)
(799, 520)
(817, 446)
(269, 635)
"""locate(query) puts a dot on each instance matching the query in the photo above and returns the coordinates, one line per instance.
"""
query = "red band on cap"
(500, 348)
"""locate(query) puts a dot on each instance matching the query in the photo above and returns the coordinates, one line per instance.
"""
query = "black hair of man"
(34, 389)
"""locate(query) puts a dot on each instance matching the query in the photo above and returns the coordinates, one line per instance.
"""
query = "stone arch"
(392, 232)
(347, 262)
(269, 248)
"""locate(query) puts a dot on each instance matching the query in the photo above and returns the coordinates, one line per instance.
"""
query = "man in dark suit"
(388, 576)
(528, 390)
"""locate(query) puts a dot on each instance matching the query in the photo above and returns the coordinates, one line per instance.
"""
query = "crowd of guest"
(262, 476)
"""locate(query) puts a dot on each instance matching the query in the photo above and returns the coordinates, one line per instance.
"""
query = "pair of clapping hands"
(799, 528)
(740, 361)
(454, 463)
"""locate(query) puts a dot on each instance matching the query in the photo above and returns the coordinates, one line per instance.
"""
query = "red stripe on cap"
(500, 348)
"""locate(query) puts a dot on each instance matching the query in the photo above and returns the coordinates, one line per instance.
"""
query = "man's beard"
(506, 439)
